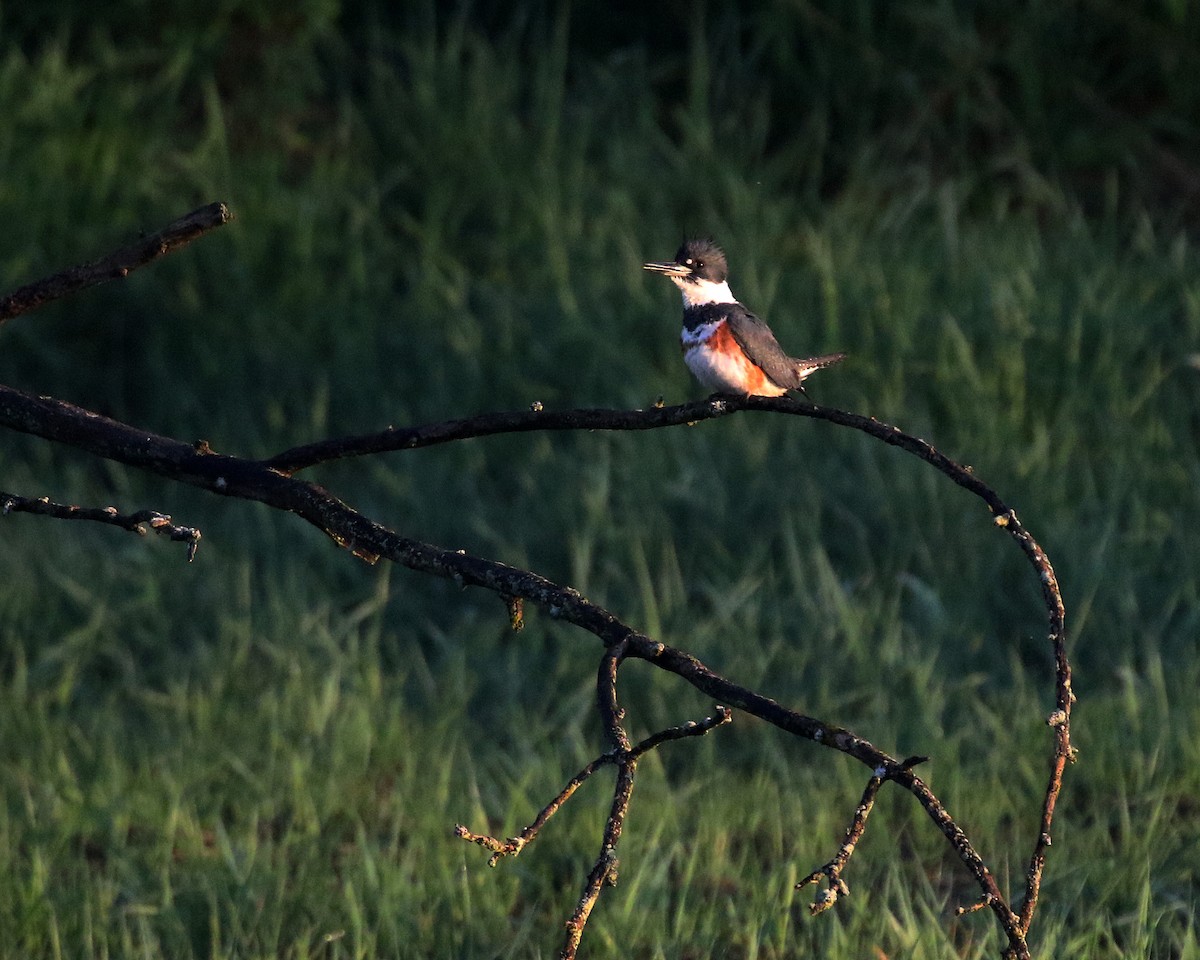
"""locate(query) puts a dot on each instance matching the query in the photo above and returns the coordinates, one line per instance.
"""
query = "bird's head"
(699, 270)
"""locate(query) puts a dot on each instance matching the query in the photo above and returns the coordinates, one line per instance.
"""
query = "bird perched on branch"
(726, 347)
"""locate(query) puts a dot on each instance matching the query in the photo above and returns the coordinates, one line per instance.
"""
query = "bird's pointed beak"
(668, 269)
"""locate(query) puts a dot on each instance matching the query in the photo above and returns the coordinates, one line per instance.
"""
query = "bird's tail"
(806, 367)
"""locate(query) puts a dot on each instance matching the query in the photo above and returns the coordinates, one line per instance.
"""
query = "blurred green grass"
(262, 754)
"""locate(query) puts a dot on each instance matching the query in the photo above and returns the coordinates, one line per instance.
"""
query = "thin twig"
(693, 728)
(981, 904)
(514, 845)
(115, 265)
(160, 523)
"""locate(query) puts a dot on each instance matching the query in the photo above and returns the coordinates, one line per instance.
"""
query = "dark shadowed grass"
(263, 753)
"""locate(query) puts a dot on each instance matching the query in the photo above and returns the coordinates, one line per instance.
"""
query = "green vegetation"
(263, 754)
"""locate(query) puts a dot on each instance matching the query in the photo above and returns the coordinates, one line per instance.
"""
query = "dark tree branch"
(232, 476)
(116, 265)
(537, 418)
(272, 482)
(199, 466)
(160, 523)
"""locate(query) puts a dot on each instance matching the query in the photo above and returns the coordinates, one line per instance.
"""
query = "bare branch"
(160, 523)
(116, 265)
(230, 476)
(538, 418)
(272, 482)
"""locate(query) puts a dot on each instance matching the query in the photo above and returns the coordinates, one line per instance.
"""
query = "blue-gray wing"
(760, 345)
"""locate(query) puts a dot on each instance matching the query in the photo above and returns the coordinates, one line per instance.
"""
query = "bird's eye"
(699, 263)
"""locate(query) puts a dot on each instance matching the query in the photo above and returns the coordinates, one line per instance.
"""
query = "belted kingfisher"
(726, 347)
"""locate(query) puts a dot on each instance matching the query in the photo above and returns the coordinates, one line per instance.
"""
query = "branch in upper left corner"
(118, 264)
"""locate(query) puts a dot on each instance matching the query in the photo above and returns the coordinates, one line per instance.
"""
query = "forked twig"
(625, 757)
(514, 845)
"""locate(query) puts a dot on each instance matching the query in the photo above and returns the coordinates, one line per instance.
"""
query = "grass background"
(992, 209)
